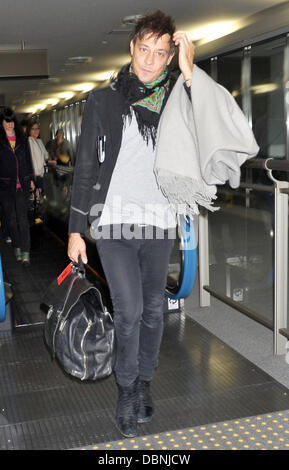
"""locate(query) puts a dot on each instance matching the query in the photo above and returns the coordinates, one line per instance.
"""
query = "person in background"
(39, 155)
(16, 180)
(59, 149)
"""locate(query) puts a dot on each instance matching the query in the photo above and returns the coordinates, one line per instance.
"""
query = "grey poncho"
(201, 143)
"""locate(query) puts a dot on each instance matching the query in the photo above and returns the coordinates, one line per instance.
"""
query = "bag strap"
(57, 294)
(78, 271)
(79, 268)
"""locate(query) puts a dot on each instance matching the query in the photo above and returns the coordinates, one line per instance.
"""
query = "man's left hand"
(186, 53)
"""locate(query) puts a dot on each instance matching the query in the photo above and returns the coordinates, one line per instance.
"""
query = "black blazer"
(102, 118)
(15, 164)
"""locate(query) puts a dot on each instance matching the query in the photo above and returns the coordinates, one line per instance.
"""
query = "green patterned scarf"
(145, 100)
(154, 102)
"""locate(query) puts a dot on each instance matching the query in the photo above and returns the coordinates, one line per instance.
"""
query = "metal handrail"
(257, 187)
(253, 186)
(268, 164)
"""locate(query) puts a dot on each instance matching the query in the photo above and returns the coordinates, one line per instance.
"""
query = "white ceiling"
(70, 28)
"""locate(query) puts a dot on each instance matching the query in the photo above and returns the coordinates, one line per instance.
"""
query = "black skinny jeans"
(15, 209)
(136, 272)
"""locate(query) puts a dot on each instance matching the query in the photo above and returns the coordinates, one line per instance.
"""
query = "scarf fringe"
(148, 131)
(185, 193)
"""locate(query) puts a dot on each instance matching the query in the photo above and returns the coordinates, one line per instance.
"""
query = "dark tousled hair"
(157, 23)
(8, 115)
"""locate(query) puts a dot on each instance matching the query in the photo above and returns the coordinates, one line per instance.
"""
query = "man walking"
(114, 184)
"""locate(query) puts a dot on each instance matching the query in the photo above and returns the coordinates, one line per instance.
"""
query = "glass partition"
(69, 119)
(241, 250)
(267, 95)
(206, 66)
(242, 234)
(229, 69)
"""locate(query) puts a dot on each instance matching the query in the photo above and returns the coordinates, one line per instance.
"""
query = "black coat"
(15, 165)
(102, 118)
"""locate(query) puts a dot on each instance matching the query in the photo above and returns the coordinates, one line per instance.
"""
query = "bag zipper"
(89, 323)
(63, 320)
(60, 319)
(104, 309)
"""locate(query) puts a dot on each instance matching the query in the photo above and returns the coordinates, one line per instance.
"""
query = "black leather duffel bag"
(78, 329)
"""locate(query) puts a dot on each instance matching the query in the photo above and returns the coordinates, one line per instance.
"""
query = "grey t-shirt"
(133, 196)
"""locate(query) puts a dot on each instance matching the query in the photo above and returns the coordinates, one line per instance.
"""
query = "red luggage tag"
(64, 273)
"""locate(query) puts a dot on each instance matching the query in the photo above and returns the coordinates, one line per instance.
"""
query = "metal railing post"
(286, 93)
(281, 266)
(246, 84)
(281, 259)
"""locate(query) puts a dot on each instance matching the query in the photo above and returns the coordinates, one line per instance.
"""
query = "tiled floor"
(199, 380)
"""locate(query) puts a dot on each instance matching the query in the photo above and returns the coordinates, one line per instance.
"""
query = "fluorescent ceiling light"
(52, 101)
(105, 75)
(31, 110)
(66, 95)
(259, 89)
(264, 88)
(41, 106)
(211, 31)
(84, 86)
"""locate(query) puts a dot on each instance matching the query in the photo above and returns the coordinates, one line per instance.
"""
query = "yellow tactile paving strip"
(264, 432)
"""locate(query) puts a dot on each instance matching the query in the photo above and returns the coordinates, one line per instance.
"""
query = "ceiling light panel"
(66, 95)
(84, 87)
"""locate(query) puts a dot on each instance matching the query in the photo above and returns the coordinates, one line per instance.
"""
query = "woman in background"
(16, 180)
(59, 149)
(39, 155)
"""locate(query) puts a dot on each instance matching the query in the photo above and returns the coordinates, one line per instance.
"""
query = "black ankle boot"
(145, 403)
(126, 411)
